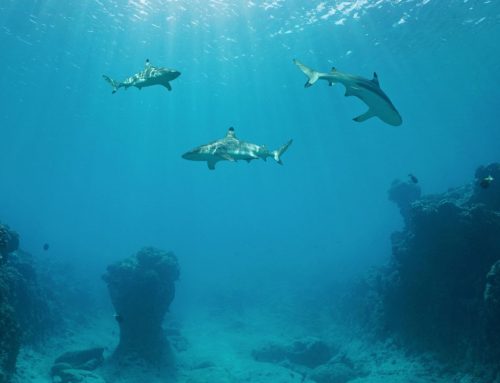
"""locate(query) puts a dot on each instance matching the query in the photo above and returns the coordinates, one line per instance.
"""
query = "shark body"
(149, 76)
(232, 149)
(369, 91)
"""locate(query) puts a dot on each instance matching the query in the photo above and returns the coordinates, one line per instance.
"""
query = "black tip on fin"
(147, 61)
(231, 129)
(334, 69)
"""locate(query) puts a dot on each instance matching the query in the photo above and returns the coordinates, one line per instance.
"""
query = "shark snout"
(191, 155)
(175, 74)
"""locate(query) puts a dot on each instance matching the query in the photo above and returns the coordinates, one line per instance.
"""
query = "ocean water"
(99, 175)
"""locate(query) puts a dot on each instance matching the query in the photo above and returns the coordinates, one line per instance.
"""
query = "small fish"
(486, 182)
(413, 178)
(46, 247)
(118, 318)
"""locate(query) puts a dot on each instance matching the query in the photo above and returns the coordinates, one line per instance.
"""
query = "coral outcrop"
(404, 194)
(312, 358)
(9, 242)
(441, 291)
(308, 352)
(24, 315)
(28, 299)
(76, 366)
(10, 334)
(142, 287)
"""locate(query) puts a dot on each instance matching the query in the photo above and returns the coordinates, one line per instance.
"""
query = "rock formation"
(443, 281)
(9, 242)
(10, 333)
(25, 317)
(142, 287)
(75, 366)
(404, 194)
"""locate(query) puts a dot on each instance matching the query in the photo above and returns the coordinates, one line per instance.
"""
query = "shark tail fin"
(279, 152)
(312, 75)
(113, 83)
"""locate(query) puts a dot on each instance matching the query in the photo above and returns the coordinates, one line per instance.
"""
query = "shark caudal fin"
(113, 83)
(311, 74)
(279, 152)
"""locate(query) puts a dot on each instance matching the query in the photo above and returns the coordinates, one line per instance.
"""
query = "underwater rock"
(58, 367)
(433, 292)
(270, 353)
(492, 290)
(340, 369)
(403, 194)
(77, 376)
(9, 242)
(25, 317)
(29, 299)
(332, 373)
(142, 287)
(492, 307)
(88, 359)
(308, 352)
(10, 332)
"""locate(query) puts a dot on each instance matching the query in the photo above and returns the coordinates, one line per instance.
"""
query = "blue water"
(98, 175)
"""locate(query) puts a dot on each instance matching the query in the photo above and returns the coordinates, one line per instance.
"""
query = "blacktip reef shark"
(369, 91)
(232, 149)
(150, 76)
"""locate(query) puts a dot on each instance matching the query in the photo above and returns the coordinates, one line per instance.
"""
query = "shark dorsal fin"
(375, 78)
(230, 132)
(147, 63)
(333, 69)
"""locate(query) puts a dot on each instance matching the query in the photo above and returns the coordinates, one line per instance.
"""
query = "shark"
(230, 148)
(149, 76)
(368, 91)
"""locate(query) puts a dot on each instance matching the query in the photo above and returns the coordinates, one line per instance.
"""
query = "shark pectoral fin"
(211, 165)
(227, 157)
(349, 91)
(365, 116)
(168, 86)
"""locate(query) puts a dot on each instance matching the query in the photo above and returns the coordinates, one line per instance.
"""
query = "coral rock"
(142, 288)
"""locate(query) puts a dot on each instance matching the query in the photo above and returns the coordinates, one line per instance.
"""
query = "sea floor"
(217, 347)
